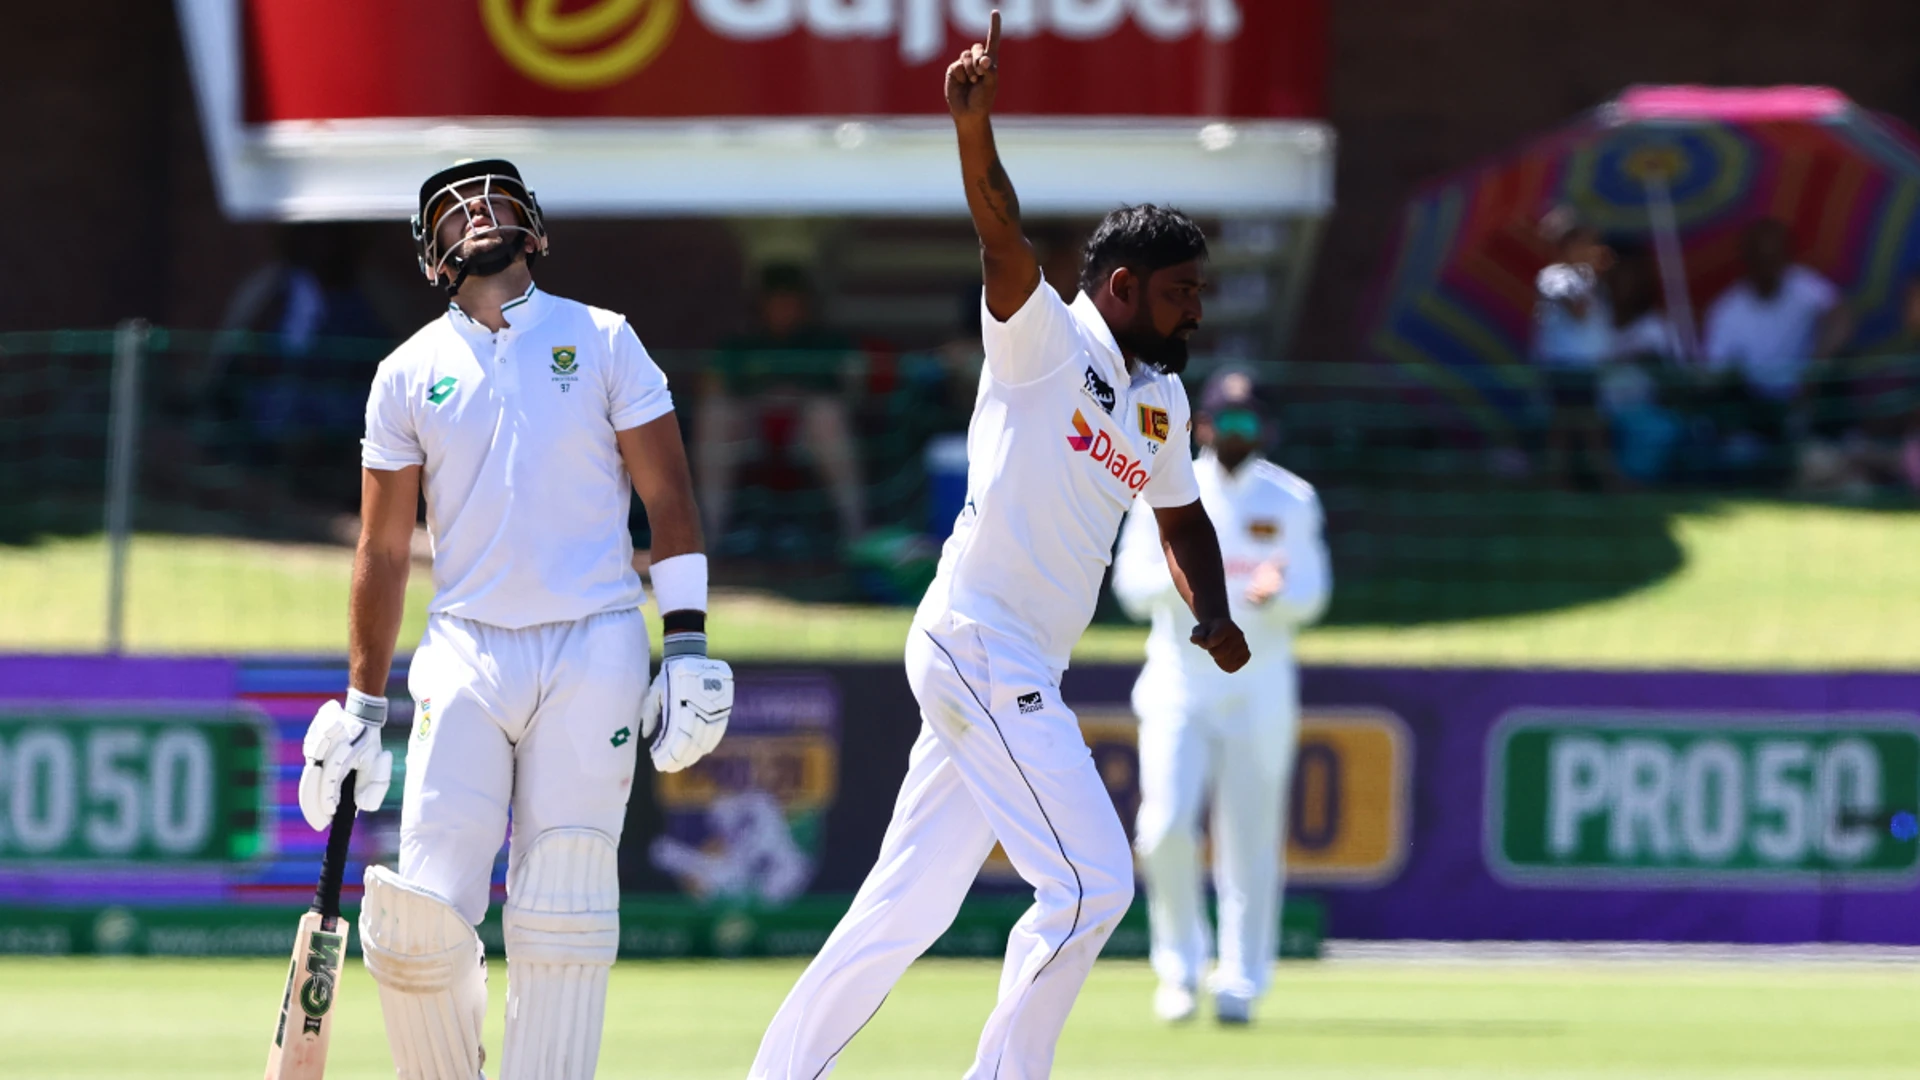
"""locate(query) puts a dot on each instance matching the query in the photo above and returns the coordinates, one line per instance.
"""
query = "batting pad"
(562, 926)
(432, 977)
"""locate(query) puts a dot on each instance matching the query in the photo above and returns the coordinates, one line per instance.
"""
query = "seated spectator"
(1778, 318)
(788, 363)
(1864, 423)
(1573, 339)
(1762, 335)
(1633, 390)
(300, 340)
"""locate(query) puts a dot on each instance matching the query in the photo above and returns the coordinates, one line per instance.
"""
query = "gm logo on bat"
(601, 44)
(323, 967)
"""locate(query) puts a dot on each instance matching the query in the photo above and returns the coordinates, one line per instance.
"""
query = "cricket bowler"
(1212, 736)
(1080, 410)
(528, 421)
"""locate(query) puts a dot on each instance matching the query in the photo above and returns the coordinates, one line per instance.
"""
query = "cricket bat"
(299, 1050)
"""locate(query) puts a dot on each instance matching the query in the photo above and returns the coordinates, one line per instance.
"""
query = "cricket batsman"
(1080, 410)
(528, 421)
(1227, 738)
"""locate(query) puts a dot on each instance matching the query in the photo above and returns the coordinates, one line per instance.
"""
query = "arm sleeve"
(1037, 340)
(1142, 580)
(392, 441)
(636, 387)
(1821, 294)
(1309, 578)
(1172, 483)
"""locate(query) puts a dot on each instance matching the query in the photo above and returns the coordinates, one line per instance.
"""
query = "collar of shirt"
(1101, 335)
(521, 314)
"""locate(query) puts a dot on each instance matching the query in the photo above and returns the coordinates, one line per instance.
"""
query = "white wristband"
(369, 710)
(680, 583)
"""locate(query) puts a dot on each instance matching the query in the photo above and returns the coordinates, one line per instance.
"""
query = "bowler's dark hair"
(1143, 239)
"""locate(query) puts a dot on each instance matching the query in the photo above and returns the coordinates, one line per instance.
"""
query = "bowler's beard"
(495, 259)
(1166, 354)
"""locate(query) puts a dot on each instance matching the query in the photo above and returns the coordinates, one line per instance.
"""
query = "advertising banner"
(1646, 806)
(760, 107)
(652, 59)
(149, 806)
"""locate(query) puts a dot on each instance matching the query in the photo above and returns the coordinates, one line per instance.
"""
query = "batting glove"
(688, 706)
(344, 740)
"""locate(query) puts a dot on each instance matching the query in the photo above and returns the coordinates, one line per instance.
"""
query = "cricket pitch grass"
(1559, 1020)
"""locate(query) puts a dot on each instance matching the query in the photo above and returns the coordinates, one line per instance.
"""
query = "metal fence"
(219, 471)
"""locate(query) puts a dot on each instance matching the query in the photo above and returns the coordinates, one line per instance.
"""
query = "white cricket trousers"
(999, 756)
(542, 721)
(1234, 743)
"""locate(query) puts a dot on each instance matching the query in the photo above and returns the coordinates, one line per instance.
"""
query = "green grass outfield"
(126, 1019)
(1759, 586)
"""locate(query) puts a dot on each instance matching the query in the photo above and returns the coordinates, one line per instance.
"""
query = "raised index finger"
(993, 38)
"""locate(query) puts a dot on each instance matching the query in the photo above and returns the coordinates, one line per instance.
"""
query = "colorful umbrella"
(1686, 168)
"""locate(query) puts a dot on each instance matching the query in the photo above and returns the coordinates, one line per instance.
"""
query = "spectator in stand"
(1762, 335)
(1573, 340)
(1864, 428)
(788, 363)
(1644, 365)
(300, 340)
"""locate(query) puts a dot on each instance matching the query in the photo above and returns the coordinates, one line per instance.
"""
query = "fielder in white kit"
(1206, 733)
(529, 420)
(1080, 410)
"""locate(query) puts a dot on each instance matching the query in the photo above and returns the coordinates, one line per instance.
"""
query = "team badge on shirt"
(1154, 423)
(566, 370)
(1099, 391)
(1263, 528)
(1029, 703)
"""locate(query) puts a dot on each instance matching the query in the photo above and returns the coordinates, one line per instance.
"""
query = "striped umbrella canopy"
(1455, 306)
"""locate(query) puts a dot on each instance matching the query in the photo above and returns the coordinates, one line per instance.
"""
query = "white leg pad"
(562, 928)
(432, 976)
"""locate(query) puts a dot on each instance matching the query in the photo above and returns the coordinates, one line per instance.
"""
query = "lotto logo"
(1099, 446)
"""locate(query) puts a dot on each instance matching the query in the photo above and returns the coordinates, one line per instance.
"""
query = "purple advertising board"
(1428, 803)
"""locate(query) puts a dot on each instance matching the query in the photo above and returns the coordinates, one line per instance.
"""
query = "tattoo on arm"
(996, 190)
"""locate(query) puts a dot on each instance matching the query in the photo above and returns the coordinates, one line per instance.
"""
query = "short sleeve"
(636, 387)
(1173, 483)
(392, 441)
(1037, 340)
(1816, 291)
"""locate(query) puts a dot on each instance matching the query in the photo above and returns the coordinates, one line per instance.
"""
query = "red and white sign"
(678, 59)
(317, 109)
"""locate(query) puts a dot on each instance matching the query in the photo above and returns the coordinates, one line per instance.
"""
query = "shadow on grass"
(1411, 557)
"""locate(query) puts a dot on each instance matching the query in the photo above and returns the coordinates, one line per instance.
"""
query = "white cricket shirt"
(1062, 440)
(1262, 513)
(527, 496)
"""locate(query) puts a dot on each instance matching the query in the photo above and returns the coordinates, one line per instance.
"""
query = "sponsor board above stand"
(759, 106)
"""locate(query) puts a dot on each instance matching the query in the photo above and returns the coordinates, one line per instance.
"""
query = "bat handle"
(326, 898)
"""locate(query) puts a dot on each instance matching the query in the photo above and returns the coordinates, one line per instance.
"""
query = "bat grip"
(326, 898)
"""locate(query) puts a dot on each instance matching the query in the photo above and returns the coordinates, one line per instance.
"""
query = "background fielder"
(1079, 410)
(1207, 734)
(528, 420)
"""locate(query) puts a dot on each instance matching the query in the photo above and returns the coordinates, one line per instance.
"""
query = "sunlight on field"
(693, 1021)
(1763, 586)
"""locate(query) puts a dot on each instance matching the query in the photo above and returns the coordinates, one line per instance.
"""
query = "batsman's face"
(476, 224)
